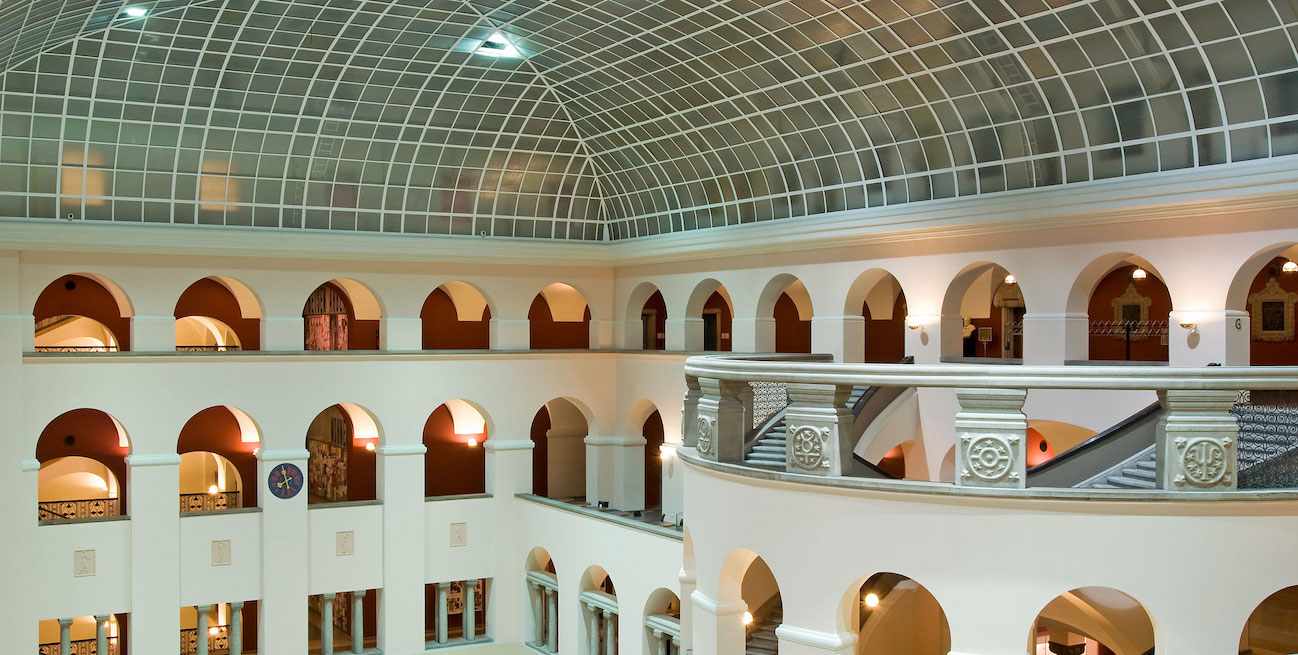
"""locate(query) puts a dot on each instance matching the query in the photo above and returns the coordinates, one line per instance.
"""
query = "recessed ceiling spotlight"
(135, 12)
(497, 45)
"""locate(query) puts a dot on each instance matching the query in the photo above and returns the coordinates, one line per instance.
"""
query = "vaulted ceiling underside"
(621, 119)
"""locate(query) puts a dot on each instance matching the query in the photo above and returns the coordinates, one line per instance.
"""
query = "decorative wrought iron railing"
(768, 399)
(76, 349)
(75, 510)
(1134, 330)
(200, 349)
(208, 502)
(79, 647)
(218, 640)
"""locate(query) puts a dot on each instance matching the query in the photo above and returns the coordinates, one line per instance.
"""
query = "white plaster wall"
(474, 560)
(58, 592)
(329, 571)
(203, 583)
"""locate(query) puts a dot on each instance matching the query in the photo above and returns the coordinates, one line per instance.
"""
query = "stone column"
(200, 639)
(684, 334)
(442, 589)
(65, 635)
(280, 628)
(236, 628)
(401, 488)
(722, 420)
(676, 646)
(401, 333)
(283, 333)
(690, 413)
(592, 629)
(358, 621)
(327, 624)
(660, 642)
(510, 333)
(842, 336)
(1196, 440)
(718, 626)
(819, 424)
(991, 438)
(101, 633)
(551, 621)
(610, 631)
(537, 596)
(154, 484)
(689, 582)
(470, 617)
(753, 335)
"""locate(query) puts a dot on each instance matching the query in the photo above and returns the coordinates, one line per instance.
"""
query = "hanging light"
(1139, 274)
(1010, 279)
(1290, 267)
(872, 600)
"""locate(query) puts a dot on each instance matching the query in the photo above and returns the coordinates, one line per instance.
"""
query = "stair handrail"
(1107, 435)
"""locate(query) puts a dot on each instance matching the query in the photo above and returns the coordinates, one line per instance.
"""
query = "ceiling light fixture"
(1290, 267)
(1010, 279)
(497, 45)
(872, 600)
(1139, 274)
(135, 12)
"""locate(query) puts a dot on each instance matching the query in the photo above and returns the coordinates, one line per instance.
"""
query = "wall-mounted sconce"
(666, 452)
(918, 321)
(1193, 327)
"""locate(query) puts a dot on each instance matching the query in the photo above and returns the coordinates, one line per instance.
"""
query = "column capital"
(99, 618)
(203, 608)
(444, 585)
(236, 605)
(63, 623)
(358, 594)
(329, 596)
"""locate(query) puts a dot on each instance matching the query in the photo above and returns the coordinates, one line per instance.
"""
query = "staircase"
(1268, 439)
(761, 634)
(1139, 472)
(768, 450)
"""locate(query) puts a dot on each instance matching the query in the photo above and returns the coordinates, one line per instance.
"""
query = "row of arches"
(83, 457)
(87, 312)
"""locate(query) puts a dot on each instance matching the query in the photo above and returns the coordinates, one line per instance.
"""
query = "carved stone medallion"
(989, 458)
(808, 448)
(705, 435)
(1203, 461)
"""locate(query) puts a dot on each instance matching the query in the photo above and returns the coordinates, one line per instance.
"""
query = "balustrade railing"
(768, 399)
(209, 502)
(76, 349)
(200, 349)
(218, 640)
(73, 510)
(78, 647)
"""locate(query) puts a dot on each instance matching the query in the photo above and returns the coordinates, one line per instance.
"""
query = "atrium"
(649, 327)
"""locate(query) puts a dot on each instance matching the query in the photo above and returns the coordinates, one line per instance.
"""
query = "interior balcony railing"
(664, 634)
(218, 640)
(209, 349)
(1198, 438)
(78, 510)
(209, 502)
(76, 349)
(78, 647)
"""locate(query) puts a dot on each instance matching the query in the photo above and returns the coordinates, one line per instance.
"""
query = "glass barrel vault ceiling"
(622, 118)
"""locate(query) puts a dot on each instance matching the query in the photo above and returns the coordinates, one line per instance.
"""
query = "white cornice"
(1217, 190)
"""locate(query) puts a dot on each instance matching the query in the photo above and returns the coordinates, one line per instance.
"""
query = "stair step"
(768, 448)
(1138, 473)
(1148, 464)
(1124, 482)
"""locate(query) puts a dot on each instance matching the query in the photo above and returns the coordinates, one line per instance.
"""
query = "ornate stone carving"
(705, 434)
(807, 448)
(990, 458)
(1203, 461)
(1266, 323)
(1129, 298)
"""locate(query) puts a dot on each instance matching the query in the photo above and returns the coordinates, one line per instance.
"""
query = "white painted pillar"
(470, 616)
(620, 470)
(283, 333)
(18, 618)
(200, 636)
(509, 472)
(689, 582)
(950, 337)
(1211, 337)
(510, 333)
(592, 629)
(923, 341)
(65, 635)
(153, 333)
(843, 336)
(537, 598)
(401, 333)
(551, 621)
(718, 627)
(401, 485)
(802, 641)
(684, 334)
(1052, 339)
(101, 633)
(602, 334)
(327, 623)
(358, 621)
(442, 589)
(284, 612)
(154, 483)
(236, 628)
(753, 335)
(610, 631)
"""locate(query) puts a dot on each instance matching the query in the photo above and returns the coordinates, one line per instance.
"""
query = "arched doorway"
(559, 432)
(341, 464)
(82, 313)
(456, 316)
(83, 467)
(217, 313)
(654, 436)
(786, 301)
(456, 461)
(647, 318)
(599, 611)
(1273, 625)
(710, 303)
(662, 623)
(988, 302)
(1092, 621)
(878, 298)
(218, 460)
(891, 613)
(341, 315)
(1270, 299)
(542, 585)
(1128, 313)
(559, 318)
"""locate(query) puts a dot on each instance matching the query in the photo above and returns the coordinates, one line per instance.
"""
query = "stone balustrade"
(664, 633)
(601, 622)
(543, 591)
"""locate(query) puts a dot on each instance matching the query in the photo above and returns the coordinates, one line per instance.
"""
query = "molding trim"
(616, 441)
(687, 577)
(715, 608)
(403, 449)
(814, 638)
(135, 461)
(494, 445)
(283, 454)
(30, 465)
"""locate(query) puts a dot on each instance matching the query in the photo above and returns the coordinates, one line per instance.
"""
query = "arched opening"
(218, 313)
(1127, 314)
(218, 460)
(647, 318)
(341, 443)
(341, 315)
(456, 316)
(786, 301)
(83, 634)
(1092, 621)
(654, 436)
(878, 298)
(989, 302)
(82, 313)
(710, 302)
(559, 318)
(559, 432)
(599, 612)
(83, 467)
(892, 614)
(1272, 628)
(1269, 299)
(1039, 449)
(662, 623)
(765, 612)
(221, 619)
(543, 599)
(456, 461)
(894, 461)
